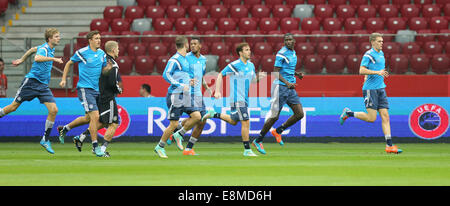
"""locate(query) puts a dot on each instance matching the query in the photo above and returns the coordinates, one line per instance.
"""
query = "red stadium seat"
(160, 63)
(410, 48)
(373, 24)
(378, 3)
(362, 37)
(326, 48)
(398, 63)
(432, 47)
(184, 24)
(438, 22)
(334, 64)
(281, 11)
(418, 23)
(168, 3)
(388, 11)
(251, 3)
(444, 38)
(292, 3)
(205, 24)
(396, 23)
(133, 12)
(267, 63)
(162, 24)
(391, 48)
(188, 3)
(230, 3)
(99, 24)
(205, 48)
(352, 24)
(313, 64)
(353, 63)
(209, 3)
(218, 11)
(345, 11)
(198, 12)
(219, 48)
(125, 64)
(323, 11)
(410, 10)
(105, 37)
(169, 39)
(298, 38)
(366, 11)
(136, 49)
(238, 12)
(440, 63)
(319, 36)
(420, 2)
(146, 3)
(268, 24)
(253, 40)
(112, 12)
(358, 2)
(431, 10)
(310, 24)
(157, 49)
(364, 46)
(278, 46)
(192, 33)
(441, 2)
(213, 37)
(341, 36)
(174, 12)
(226, 24)
(289, 24)
(123, 47)
(148, 40)
(247, 24)
(260, 11)
(155, 12)
(262, 48)
(336, 3)
(120, 25)
(256, 60)
(447, 10)
(304, 48)
(82, 41)
(387, 38)
(129, 37)
(144, 65)
(346, 48)
(275, 39)
(332, 24)
(316, 2)
(420, 63)
(233, 39)
(273, 3)
(225, 60)
(401, 2)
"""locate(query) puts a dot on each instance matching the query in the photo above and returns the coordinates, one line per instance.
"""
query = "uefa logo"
(124, 123)
(429, 121)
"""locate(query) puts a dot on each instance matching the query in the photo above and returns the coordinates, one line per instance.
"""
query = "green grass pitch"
(300, 164)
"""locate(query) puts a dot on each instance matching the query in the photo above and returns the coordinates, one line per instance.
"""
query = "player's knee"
(371, 119)
(196, 116)
(299, 115)
(53, 111)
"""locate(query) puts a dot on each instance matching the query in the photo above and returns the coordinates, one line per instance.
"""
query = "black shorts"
(108, 112)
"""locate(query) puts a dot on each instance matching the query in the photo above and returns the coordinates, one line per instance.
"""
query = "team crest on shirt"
(124, 123)
(429, 121)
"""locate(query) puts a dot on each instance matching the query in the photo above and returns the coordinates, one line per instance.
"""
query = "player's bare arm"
(280, 77)
(217, 93)
(30, 51)
(364, 71)
(39, 58)
(66, 70)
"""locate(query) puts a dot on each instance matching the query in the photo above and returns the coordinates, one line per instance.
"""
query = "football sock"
(217, 115)
(2, 113)
(388, 140)
(246, 144)
(191, 142)
(95, 144)
(66, 127)
(182, 131)
(48, 129)
(84, 135)
(351, 114)
(281, 128)
(259, 138)
(161, 144)
(105, 145)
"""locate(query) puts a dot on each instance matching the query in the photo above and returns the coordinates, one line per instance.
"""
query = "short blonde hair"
(110, 46)
(180, 41)
(50, 32)
(374, 36)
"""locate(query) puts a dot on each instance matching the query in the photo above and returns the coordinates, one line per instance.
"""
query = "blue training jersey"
(90, 66)
(375, 61)
(286, 59)
(241, 76)
(197, 69)
(177, 73)
(42, 70)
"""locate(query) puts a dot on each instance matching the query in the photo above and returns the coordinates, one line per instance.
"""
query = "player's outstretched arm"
(66, 70)
(30, 51)
(217, 93)
(364, 71)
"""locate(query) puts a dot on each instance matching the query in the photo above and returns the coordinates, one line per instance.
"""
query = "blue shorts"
(32, 88)
(376, 99)
(239, 111)
(179, 103)
(89, 99)
(281, 95)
